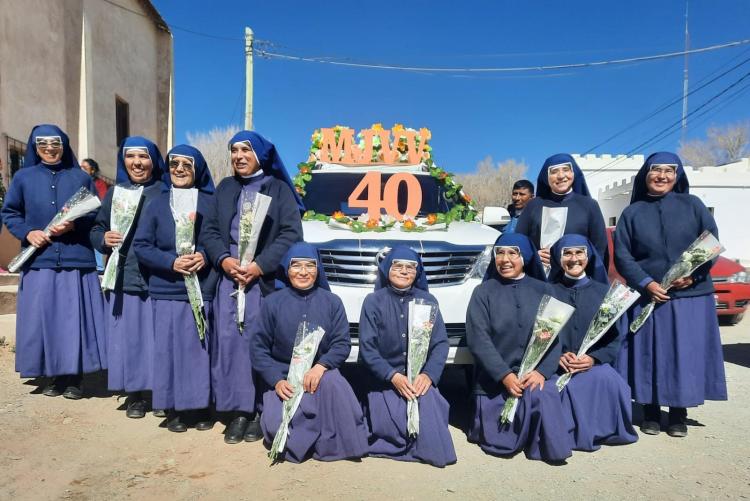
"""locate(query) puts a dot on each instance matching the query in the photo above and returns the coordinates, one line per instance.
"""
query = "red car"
(731, 281)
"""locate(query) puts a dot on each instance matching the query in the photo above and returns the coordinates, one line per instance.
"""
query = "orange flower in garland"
(432, 218)
(409, 224)
(466, 198)
(373, 223)
(338, 215)
(305, 170)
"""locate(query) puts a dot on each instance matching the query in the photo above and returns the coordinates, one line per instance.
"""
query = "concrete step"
(9, 278)
(8, 296)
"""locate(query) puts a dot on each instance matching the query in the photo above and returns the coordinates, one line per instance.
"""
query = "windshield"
(328, 192)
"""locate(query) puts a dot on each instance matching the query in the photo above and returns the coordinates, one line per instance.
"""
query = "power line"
(668, 55)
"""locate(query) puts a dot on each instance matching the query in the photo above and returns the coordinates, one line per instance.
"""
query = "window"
(16, 151)
(612, 221)
(122, 119)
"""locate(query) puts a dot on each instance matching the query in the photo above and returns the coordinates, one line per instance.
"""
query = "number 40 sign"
(374, 204)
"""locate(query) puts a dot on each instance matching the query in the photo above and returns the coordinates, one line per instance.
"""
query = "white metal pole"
(248, 78)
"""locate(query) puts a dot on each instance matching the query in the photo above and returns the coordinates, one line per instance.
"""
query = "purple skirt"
(675, 359)
(386, 417)
(130, 341)
(232, 380)
(60, 327)
(327, 426)
(182, 368)
(540, 428)
(598, 402)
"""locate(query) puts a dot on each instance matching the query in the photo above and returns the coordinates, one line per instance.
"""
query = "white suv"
(455, 259)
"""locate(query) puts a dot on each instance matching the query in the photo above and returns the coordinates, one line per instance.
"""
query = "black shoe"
(203, 421)
(136, 409)
(53, 389)
(253, 432)
(650, 427)
(175, 425)
(236, 430)
(73, 392)
(677, 426)
(159, 413)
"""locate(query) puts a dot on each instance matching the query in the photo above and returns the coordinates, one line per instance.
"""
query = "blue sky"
(526, 116)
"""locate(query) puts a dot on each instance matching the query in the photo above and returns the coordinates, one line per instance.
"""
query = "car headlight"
(740, 277)
(482, 262)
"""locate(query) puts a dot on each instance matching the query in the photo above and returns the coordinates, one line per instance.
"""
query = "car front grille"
(359, 267)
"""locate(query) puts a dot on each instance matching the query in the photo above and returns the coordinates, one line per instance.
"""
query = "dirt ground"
(52, 448)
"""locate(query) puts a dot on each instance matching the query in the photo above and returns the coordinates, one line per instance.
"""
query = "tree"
(213, 145)
(491, 183)
(722, 145)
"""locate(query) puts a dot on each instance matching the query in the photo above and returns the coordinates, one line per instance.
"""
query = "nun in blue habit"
(675, 359)
(328, 424)
(383, 349)
(499, 323)
(59, 322)
(129, 319)
(257, 169)
(561, 184)
(181, 370)
(596, 397)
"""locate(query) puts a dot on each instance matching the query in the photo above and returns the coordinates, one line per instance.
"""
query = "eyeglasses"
(560, 168)
(51, 142)
(299, 266)
(510, 253)
(176, 163)
(410, 268)
(575, 252)
(664, 170)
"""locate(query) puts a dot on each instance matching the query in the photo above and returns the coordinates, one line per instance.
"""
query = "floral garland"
(462, 209)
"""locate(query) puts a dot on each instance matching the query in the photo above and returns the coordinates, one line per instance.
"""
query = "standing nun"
(383, 348)
(181, 377)
(597, 398)
(499, 324)
(59, 323)
(561, 184)
(257, 169)
(130, 322)
(675, 358)
(328, 424)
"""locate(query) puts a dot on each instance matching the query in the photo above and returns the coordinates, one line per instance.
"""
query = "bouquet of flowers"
(81, 203)
(421, 319)
(125, 203)
(184, 203)
(616, 302)
(306, 344)
(253, 210)
(554, 220)
(551, 317)
(705, 248)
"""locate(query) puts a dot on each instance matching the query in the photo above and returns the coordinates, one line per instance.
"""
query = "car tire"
(731, 319)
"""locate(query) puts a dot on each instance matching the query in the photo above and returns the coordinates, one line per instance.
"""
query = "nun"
(499, 323)
(675, 359)
(60, 310)
(597, 398)
(561, 184)
(383, 350)
(328, 424)
(257, 169)
(129, 314)
(181, 367)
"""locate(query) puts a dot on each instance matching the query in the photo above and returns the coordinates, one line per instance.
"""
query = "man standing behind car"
(523, 191)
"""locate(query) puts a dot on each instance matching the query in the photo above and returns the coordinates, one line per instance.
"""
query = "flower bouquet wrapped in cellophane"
(616, 302)
(422, 315)
(81, 203)
(306, 344)
(184, 204)
(125, 202)
(554, 220)
(704, 249)
(253, 210)
(551, 317)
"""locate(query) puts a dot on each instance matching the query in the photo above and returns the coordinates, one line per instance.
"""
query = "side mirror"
(495, 216)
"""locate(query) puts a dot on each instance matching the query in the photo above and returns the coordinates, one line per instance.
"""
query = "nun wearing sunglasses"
(499, 324)
(561, 184)
(181, 370)
(597, 398)
(675, 359)
(60, 311)
(129, 314)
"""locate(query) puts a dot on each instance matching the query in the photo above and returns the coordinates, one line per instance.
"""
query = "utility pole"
(248, 78)
(685, 77)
